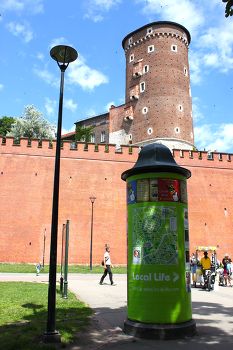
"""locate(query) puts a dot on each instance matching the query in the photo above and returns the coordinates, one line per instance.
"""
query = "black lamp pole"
(92, 199)
(44, 247)
(63, 55)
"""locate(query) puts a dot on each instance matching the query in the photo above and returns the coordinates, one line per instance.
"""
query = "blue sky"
(95, 28)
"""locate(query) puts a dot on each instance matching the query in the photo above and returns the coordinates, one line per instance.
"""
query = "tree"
(32, 125)
(6, 124)
(228, 8)
(83, 133)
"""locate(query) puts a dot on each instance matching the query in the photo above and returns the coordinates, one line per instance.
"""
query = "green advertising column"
(158, 279)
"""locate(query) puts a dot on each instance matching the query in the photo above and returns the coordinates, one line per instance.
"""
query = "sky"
(96, 80)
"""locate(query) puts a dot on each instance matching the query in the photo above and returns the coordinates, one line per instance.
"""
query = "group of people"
(199, 267)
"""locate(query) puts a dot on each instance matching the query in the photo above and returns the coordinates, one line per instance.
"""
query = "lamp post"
(92, 199)
(63, 55)
(44, 248)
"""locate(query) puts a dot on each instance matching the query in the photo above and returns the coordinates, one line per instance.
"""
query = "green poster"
(158, 249)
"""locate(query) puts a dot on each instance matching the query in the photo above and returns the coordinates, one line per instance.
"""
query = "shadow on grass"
(27, 334)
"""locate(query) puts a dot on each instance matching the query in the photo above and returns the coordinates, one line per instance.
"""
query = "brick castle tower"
(158, 105)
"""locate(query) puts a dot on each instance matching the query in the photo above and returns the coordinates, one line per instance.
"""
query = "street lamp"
(44, 248)
(92, 199)
(63, 55)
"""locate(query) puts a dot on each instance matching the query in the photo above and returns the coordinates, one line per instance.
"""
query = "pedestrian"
(226, 261)
(205, 262)
(193, 264)
(38, 268)
(107, 265)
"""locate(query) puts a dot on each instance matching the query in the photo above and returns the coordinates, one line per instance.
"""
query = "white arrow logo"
(175, 277)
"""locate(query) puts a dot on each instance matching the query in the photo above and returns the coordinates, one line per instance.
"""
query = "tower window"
(142, 86)
(131, 58)
(174, 48)
(149, 131)
(130, 137)
(180, 107)
(177, 130)
(185, 71)
(102, 136)
(150, 48)
(145, 110)
(130, 40)
(149, 30)
(146, 68)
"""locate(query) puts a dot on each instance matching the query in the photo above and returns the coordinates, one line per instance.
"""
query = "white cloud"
(80, 74)
(34, 7)
(211, 59)
(40, 56)
(58, 41)
(12, 5)
(50, 106)
(96, 8)
(184, 12)
(197, 114)
(48, 77)
(66, 131)
(90, 113)
(218, 42)
(70, 104)
(20, 30)
(1, 87)
(195, 64)
(214, 137)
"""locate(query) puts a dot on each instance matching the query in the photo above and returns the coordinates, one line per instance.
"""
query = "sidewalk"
(212, 311)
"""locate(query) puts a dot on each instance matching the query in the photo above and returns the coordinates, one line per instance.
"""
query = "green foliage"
(32, 125)
(23, 315)
(5, 125)
(228, 8)
(83, 133)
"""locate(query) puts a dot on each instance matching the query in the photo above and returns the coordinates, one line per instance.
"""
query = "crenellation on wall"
(69, 149)
(203, 158)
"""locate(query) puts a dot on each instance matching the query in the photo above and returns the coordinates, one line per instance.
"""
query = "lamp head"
(92, 199)
(63, 55)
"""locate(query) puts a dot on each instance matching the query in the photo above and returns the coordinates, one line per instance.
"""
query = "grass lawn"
(29, 268)
(23, 316)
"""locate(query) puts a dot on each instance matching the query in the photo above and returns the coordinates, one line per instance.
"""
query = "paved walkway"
(212, 311)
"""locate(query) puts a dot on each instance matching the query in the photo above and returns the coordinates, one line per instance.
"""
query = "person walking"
(226, 261)
(193, 264)
(107, 265)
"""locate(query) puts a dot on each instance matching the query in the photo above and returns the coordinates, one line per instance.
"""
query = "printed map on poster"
(154, 229)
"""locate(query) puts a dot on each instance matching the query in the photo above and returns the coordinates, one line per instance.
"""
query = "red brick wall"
(26, 177)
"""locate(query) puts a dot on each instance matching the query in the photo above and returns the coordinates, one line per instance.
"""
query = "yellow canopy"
(203, 248)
